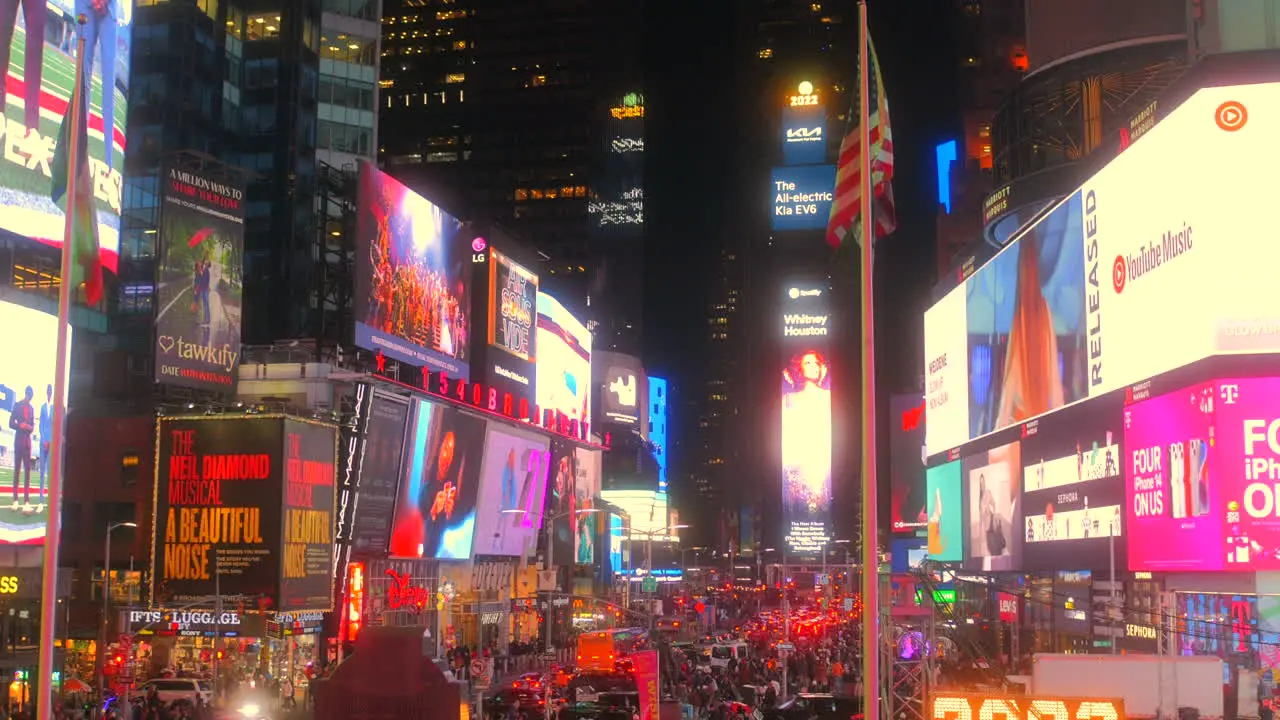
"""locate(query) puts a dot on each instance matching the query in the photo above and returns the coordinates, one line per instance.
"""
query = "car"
(171, 690)
(822, 706)
(528, 681)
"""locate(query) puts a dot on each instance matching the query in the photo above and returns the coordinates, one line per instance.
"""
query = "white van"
(722, 653)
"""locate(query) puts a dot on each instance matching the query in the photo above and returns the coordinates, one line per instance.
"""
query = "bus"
(603, 649)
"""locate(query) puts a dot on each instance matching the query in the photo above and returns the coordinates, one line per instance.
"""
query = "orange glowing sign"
(960, 706)
(355, 600)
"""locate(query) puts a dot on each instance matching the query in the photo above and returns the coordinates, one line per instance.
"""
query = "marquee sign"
(961, 706)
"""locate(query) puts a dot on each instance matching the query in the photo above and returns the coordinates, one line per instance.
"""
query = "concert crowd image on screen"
(436, 509)
(26, 423)
(413, 283)
(1073, 494)
(805, 392)
(513, 484)
(200, 281)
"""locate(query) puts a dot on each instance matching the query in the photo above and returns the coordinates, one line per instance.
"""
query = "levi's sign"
(960, 706)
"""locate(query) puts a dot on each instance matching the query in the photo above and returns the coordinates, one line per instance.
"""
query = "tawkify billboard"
(1136, 273)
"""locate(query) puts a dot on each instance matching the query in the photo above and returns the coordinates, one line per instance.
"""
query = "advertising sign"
(560, 501)
(804, 135)
(1245, 460)
(1115, 309)
(513, 485)
(946, 529)
(249, 500)
(38, 77)
(1073, 601)
(412, 285)
(1073, 496)
(906, 464)
(200, 283)
(947, 705)
(26, 422)
(586, 488)
(656, 403)
(624, 388)
(646, 667)
(310, 475)
(564, 361)
(1009, 605)
(1174, 501)
(513, 298)
(806, 418)
(995, 512)
(615, 544)
(802, 197)
(380, 474)
(436, 508)
(946, 373)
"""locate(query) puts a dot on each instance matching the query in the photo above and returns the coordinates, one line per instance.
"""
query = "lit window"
(766, 53)
(580, 191)
(539, 80)
(815, 7)
(459, 44)
(552, 193)
(566, 191)
(455, 78)
(522, 194)
(984, 130)
(986, 149)
(535, 194)
(262, 27)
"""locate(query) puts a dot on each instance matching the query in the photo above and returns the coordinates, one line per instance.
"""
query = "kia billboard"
(906, 464)
(623, 387)
(513, 484)
(994, 494)
(26, 439)
(564, 361)
(38, 62)
(1073, 495)
(804, 135)
(802, 197)
(512, 320)
(946, 531)
(805, 428)
(1055, 324)
(435, 512)
(412, 300)
(244, 509)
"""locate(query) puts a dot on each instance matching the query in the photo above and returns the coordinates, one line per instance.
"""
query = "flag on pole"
(847, 202)
(76, 185)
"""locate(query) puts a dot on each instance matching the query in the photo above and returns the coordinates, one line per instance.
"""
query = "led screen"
(436, 508)
(564, 361)
(946, 528)
(906, 464)
(26, 396)
(586, 488)
(380, 474)
(560, 501)
(646, 510)
(624, 387)
(615, 544)
(658, 426)
(38, 57)
(513, 298)
(513, 482)
(994, 520)
(802, 197)
(804, 135)
(1119, 307)
(412, 297)
(805, 392)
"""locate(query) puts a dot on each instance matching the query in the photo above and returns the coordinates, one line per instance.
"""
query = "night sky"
(690, 81)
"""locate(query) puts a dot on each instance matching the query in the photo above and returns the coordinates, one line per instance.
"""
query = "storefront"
(20, 590)
(406, 593)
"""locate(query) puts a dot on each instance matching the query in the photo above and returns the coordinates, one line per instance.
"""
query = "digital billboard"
(615, 544)
(35, 97)
(586, 488)
(384, 446)
(804, 135)
(436, 507)
(906, 464)
(648, 512)
(412, 300)
(994, 493)
(244, 508)
(513, 300)
(1144, 238)
(805, 400)
(624, 388)
(1073, 495)
(513, 485)
(201, 281)
(564, 361)
(657, 407)
(26, 395)
(946, 528)
(802, 197)
(560, 508)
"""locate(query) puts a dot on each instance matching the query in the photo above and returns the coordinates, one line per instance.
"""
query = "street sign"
(649, 585)
(786, 646)
(481, 673)
(125, 642)
(477, 667)
(848, 604)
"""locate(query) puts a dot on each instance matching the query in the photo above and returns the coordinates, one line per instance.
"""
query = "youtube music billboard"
(1136, 273)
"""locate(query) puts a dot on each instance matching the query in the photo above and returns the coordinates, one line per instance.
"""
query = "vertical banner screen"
(560, 501)
(513, 313)
(200, 282)
(805, 388)
(310, 478)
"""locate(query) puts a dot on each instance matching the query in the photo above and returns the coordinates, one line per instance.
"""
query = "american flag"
(847, 204)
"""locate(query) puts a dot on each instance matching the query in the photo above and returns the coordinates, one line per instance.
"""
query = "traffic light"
(220, 655)
(119, 659)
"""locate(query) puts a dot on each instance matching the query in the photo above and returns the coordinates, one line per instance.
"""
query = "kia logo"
(804, 134)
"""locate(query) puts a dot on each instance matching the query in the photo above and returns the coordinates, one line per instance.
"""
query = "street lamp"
(648, 556)
(548, 521)
(106, 600)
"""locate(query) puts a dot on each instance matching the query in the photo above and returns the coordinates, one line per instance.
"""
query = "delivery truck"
(1152, 686)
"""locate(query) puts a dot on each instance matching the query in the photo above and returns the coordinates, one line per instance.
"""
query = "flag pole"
(53, 525)
(870, 502)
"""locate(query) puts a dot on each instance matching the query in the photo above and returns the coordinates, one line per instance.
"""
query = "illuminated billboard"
(586, 487)
(906, 464)
(513, 483)
(38, 78)
(623, 386)
(244, 508)
(647, 513)
(943, 492)
(804, 135)
(658, 426)
(563, 368)
(802, 197)
(512, 320)
(993, 488)
(1162, 273)
(201, 281)
(615, 543)
(26, 398)
(412, 300)
(805, 400)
